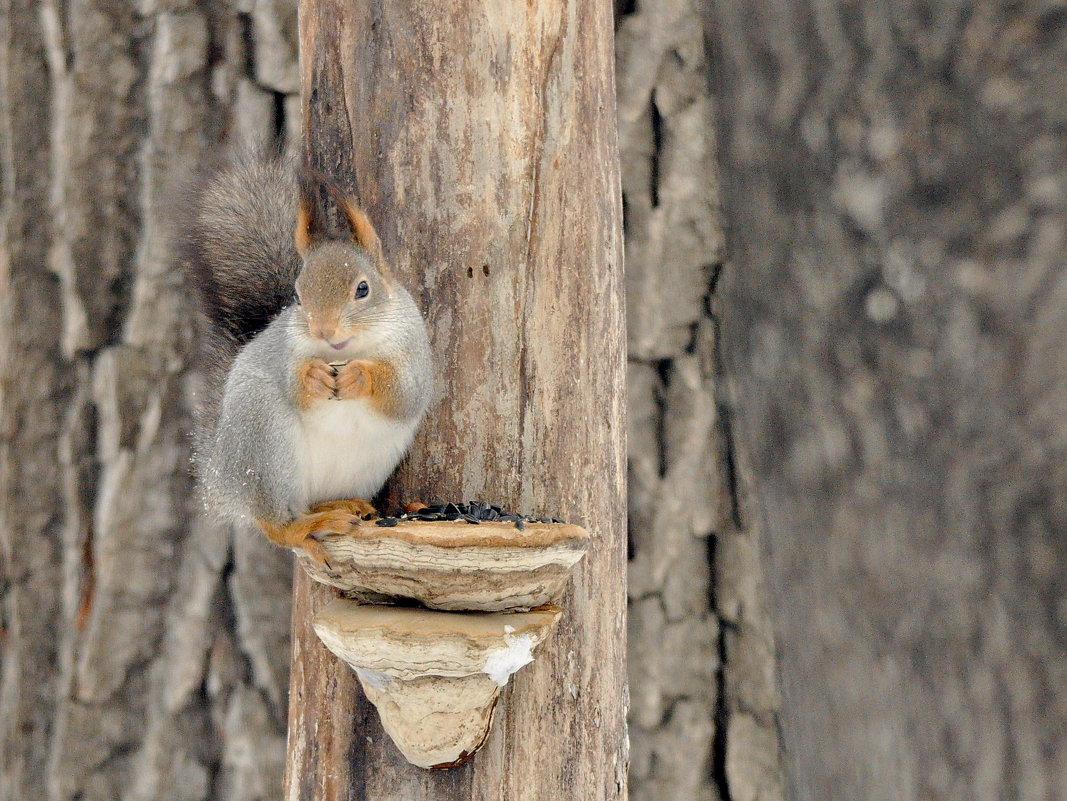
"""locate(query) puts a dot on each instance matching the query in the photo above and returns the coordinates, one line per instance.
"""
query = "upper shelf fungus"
(434, 676)
(451, 564)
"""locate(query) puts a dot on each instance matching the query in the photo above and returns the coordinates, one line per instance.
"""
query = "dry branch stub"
(433, 676)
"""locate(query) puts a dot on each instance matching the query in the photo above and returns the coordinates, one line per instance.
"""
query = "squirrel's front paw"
(353, 380)
(316, 381)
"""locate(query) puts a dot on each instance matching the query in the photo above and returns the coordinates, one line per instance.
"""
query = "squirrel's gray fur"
(236, 245)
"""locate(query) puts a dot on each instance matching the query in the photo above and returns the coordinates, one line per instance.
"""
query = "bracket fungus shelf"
(452, 564)
(435, 671)
(434, 676)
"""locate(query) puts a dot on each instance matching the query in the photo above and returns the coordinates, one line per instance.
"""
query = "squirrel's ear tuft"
(302, 235)
(359, 224)
(363, 232)
(311, 225)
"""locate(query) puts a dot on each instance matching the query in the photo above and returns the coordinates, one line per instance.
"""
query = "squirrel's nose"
(324, 330)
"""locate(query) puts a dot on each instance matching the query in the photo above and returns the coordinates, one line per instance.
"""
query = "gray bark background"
(895, 320)
(703, 699)
(144, 651)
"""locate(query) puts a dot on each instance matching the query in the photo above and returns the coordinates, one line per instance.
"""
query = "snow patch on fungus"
(500, 663)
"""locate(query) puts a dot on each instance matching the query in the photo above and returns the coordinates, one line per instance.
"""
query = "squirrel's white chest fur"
(346, 449)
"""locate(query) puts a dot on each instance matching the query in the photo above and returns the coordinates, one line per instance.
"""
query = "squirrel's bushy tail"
(235, 241)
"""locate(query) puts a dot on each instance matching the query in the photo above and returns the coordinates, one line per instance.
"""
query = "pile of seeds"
(472, 511)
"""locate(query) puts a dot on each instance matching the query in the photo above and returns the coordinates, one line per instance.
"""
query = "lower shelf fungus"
(433, 676)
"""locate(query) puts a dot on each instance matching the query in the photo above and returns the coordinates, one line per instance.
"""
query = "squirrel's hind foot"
(359, 507)
(307, 530)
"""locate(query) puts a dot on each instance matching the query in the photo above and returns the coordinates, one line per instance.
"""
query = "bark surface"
(893, 317)
(704, 697)
(144, 652)
(464, 134)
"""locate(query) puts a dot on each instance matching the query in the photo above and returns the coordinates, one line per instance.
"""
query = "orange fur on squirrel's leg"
(302, 531)
(316, 380)
(375, 380)
(356, 506)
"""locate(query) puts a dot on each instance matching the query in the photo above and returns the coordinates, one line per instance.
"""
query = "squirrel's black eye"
(362, 290)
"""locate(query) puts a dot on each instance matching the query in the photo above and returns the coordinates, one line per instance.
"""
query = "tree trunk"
(893, 312)
(701, 657)
(144, 652)
(483, 144)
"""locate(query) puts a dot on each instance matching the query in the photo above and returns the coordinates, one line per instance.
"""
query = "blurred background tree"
(894, 324)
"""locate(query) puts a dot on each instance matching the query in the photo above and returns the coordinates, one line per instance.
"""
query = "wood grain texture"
(484, 146)
(893, 317)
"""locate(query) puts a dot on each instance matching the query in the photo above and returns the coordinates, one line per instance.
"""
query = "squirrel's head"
(344, 286)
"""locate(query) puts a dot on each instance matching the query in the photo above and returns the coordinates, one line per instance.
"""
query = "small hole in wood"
(470, 272)
(485, 270)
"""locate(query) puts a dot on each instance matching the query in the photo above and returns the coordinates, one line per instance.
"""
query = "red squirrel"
(319, 363)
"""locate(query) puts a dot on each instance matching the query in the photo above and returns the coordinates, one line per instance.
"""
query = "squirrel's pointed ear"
(309, 223)
(363, 232)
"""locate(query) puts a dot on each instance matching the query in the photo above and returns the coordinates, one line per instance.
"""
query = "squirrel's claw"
(313, 548)
(352, 380)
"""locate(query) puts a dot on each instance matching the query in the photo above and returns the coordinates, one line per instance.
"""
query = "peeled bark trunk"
(893, 314)
(482, 142)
